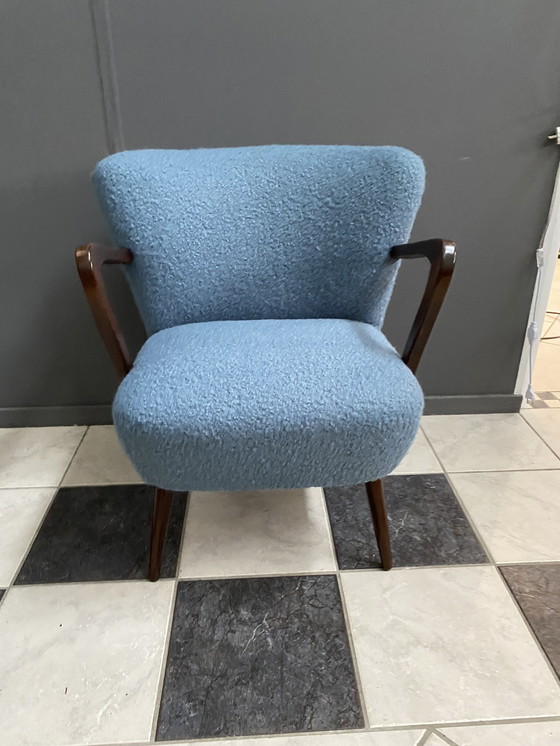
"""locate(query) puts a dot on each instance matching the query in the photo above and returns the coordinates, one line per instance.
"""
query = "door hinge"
(555, 136)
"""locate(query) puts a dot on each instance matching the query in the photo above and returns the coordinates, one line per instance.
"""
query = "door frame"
(550, 244)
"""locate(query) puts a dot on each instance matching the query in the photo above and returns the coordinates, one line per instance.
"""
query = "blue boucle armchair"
(262, 275)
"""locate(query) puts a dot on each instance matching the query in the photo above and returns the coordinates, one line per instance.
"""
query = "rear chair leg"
(160, 524)
(379, 515)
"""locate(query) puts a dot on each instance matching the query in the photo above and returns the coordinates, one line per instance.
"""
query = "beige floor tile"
(554, 297)
(549, 322)
(444, 645)
(420, 459)
(21, 511)
(518, 734)
(83, 662)
(100, 459)
(516, 513)
(36, 456)
(487, 442)
(546, 376)
(547, 424)
(256, 533)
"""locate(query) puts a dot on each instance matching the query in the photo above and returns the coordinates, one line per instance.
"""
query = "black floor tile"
(1, 593)
(537, 590)
(100, 533)
(426, 524)
(258, 655)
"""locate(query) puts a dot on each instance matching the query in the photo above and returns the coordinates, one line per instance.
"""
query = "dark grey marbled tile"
(258, 655)
(427, 525)
(1, 593)
(100, 533)
(537, 590)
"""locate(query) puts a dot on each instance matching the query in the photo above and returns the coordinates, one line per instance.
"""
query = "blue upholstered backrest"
(279, 231)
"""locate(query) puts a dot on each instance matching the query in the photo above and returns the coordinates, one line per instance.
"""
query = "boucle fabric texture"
(228, 405)
(262, 275)
(263, 232)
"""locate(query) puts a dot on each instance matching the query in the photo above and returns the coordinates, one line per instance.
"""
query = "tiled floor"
(272, 624)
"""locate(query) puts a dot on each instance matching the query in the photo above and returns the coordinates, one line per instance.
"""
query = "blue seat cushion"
(262, 404)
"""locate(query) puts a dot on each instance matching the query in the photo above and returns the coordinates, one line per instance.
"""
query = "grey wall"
(471, 86)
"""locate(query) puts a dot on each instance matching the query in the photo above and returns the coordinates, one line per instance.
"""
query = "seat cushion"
(230, 405)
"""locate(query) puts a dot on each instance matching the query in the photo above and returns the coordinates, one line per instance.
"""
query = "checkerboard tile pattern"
(546, 400)
(272, 623)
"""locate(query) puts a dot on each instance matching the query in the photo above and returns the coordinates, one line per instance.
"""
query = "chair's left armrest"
(89, 260)
(441, 255)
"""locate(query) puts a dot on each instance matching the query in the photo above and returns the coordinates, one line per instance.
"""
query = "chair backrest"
(277, 231)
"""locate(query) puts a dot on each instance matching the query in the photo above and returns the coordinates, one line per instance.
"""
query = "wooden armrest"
(442, 255)
(89, 260)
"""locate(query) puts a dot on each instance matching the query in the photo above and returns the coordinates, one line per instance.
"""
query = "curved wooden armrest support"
(441, 255)
(89, 260)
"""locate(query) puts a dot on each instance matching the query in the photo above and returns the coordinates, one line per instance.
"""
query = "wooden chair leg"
(379, 515)
(160, 524)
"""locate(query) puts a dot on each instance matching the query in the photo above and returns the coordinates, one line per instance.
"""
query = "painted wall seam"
(101, 22)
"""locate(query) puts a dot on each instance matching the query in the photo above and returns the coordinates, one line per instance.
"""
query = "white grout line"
(299, 736)
(303, 736)
(412, 568)
(468, 516)
(550, 323)
(55, 490)
(509, 563)
(163, 665)
(327, 519)
(409, 568)
(112, 483)
(424, 737)
(74, 455)
(497, 567)
(291, 574)
(167, 642)
(33, 488)
(476, 471)
(444, 738)
(504, 471)
(353, 654)
(34, 536)
(551, 409)
(532, 632)
(487, 721)
(345, 614)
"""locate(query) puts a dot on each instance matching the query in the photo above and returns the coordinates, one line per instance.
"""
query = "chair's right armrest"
(89, 260)
(442, 255)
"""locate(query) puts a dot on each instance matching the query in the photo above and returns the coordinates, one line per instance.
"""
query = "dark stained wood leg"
(160, 523)
(379, 515)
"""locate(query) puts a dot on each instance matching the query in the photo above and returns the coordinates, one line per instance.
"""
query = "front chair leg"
(160, 523)
(379, 515)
